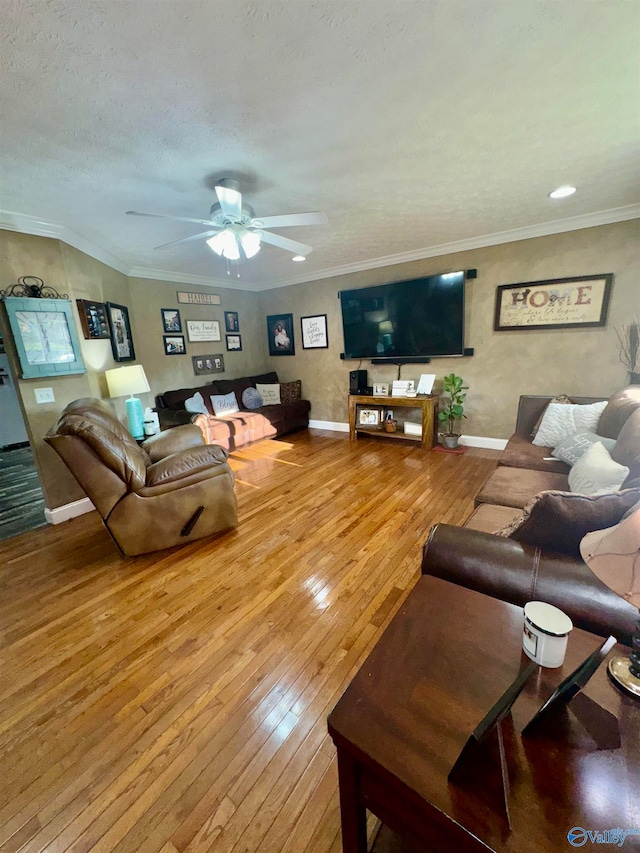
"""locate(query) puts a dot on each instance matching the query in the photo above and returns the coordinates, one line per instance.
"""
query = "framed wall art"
(174, 345)
(234, 342)
(120, 328)
(171, 320)
(93, 319)
(45, 336)
(314, 332)
(280, 332)
(558, 303)
(231, 321)
(369, 417)
(203, 364)
(203, 330)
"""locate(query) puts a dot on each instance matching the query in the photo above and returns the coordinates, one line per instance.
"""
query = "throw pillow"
(251, 399)
(290, 391)
(575, 446)
(557, 521)
(270, 394)
(596, 470)
(224, 404)
(561, 420)
(196, 404)
(562, 399)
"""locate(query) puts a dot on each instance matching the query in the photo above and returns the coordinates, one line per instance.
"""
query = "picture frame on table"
(171, 321)
(120, 329)
(557, 303)
(314, 332)
(174, 345)
(234, 343)
(369, 417)
(93, 319)
(280, 334)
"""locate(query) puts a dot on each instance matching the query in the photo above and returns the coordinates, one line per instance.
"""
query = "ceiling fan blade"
(287, 219)
(174, 218)
(285, 243)
(200, 236)
(230, 199)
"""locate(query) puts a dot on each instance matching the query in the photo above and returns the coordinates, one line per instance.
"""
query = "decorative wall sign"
(121, 337)
(314, 332)
(203, 330)
(231, 321)
(197, 298)
(171, 320)
(280, 331)
(93, 319)
(208, 363)
(558, 303)
(174, 345)
(234, 342)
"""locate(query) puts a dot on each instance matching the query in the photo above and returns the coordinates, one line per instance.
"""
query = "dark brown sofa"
(519, 571)
(237, 430)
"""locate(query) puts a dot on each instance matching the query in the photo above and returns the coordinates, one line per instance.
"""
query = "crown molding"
(22, 223)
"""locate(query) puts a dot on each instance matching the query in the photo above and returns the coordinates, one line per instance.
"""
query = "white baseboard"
(64, 513)
(469, 440)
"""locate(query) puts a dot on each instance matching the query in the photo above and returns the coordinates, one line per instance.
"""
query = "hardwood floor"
(178, 701)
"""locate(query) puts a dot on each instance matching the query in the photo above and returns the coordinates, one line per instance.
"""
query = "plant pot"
(450, 441)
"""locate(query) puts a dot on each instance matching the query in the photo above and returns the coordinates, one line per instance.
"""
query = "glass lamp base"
(135, 418)
(619, 672)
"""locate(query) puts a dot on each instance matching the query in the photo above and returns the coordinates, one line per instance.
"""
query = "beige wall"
(505, 364)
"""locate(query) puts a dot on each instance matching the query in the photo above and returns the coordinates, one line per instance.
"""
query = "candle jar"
(545, 633)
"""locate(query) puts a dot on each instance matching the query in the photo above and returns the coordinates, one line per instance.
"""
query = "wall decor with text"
(203, 330)
(314, 332)
(197, 298)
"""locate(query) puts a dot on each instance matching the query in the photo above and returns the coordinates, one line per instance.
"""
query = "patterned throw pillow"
(596, 470)
(562, 399)
(224, 404)
(562, 420)
(251, 399)
(290, 391)
(575, 446)
(196, 404)
(270, 394)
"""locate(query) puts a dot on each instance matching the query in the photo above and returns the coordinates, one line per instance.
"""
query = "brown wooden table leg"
(353, 814)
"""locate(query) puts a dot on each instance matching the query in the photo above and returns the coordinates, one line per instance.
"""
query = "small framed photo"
(93, 319)
(171, 320)
(203, 364)
(120, 328)
(231, 323)
(380, 389)
(174, 345)
(234, 342)
(280, 331)
(369, 417)
(314, 332)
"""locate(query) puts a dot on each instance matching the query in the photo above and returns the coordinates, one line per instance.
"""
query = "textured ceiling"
(410, 124)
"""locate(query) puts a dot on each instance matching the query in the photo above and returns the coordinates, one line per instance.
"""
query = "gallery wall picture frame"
(280, 334)
(171, 321)
(231, 321)
(174, 345)
(557, 303)
(45, 336)
(314, 332)
(234, 343)
(212, 363)
(203, 330)
(120, 329)
(93, 319)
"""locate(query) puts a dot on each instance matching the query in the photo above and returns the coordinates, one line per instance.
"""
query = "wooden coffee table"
(445, 659)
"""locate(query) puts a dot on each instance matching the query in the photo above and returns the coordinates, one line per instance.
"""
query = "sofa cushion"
(573, 447)
(270, 393)
(627, 447)
(490, 518)
(562, 399)
(224, 404)
(290, 391)
(251, 399)
(557, 521)
(237, 386)
(516, 486)
(265, 379)
(196, 404)
(561, 420)
(521, 453)
(620, 406)
(596, 470)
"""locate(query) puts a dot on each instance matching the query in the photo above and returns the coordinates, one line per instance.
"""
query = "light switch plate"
(44, 395)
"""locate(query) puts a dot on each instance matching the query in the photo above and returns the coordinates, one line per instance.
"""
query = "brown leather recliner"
(170, 490)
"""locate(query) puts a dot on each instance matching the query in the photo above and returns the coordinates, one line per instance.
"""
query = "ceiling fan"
(233, 230)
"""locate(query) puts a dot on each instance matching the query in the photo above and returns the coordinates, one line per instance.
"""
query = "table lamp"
(613, 555)
(129, 380)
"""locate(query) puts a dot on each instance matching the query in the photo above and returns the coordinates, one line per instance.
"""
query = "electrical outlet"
(44, 395)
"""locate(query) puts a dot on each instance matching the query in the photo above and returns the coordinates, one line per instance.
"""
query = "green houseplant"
(453, 410)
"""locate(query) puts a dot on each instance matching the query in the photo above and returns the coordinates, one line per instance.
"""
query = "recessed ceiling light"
(298, 258)
(562, 192)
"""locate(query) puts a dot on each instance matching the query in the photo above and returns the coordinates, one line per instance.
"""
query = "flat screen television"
(422, 317)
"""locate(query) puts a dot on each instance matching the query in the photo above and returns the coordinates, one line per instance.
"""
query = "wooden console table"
(442, 663)
(427, 403)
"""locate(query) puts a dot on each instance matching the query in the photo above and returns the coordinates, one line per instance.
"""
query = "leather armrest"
(517, 573)
(207, 459)
(173, 417)
(173, 441)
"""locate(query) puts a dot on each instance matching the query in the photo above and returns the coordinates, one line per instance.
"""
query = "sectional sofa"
(518, 555)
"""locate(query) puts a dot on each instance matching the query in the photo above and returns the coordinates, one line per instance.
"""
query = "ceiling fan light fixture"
(298, 258)
(225, 245)
(250, 241)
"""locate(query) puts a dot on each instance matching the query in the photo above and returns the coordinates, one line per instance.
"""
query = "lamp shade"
(613, 555)
(127, 381)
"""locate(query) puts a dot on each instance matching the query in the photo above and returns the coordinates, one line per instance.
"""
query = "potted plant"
(453, 410)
